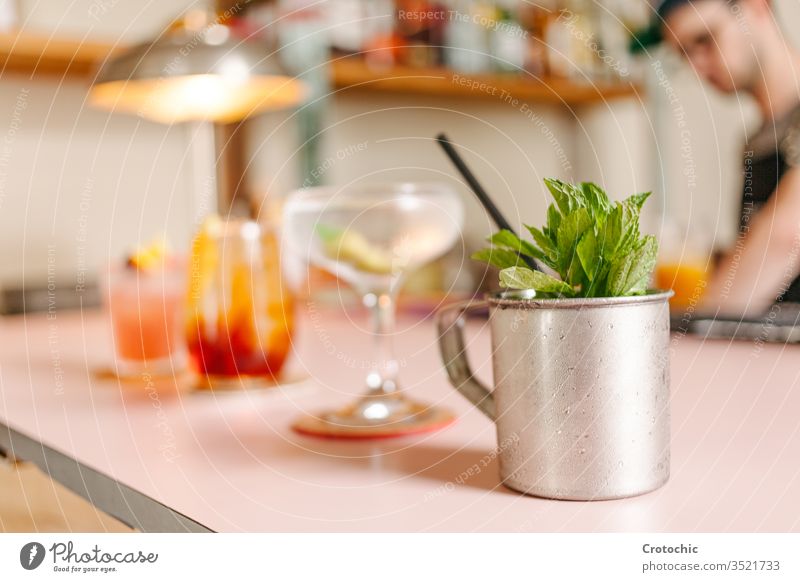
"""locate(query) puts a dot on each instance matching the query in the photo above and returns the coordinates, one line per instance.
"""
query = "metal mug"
(581, 394)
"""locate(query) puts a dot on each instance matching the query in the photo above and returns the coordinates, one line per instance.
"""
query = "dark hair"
(668, 6)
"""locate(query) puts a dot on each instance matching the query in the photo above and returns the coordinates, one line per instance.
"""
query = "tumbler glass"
(239, 321)
(145, 307)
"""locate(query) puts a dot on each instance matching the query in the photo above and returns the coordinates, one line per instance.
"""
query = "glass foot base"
(375, 417)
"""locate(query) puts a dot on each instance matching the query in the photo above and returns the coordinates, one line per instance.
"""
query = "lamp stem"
(229, 141)
(202, 174)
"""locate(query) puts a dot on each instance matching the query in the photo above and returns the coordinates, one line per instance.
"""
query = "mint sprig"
(593, 244)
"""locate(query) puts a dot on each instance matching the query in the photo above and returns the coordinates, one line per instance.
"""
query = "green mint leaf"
(509, 240)
(630, 274)
(612, 232)
(553, 220)
(500, 258)
(570, 232)
(644, 262)
(565, 195)
(593, 244)
(546, 245)
(618, 275)
(588, 254)
(596, 200)
(524, 278)
(630, 228)
(637, 200)
(575, 275)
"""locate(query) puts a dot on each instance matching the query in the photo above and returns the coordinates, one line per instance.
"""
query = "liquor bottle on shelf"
(421, 25)
(618, 26)
(507, 39)
(466, 40)
(573, 46)
(534, 20)
(384, 47)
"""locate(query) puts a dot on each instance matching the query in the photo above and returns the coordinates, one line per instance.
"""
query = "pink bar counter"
(168, 459)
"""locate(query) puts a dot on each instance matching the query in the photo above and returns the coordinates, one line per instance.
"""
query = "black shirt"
(768, 155)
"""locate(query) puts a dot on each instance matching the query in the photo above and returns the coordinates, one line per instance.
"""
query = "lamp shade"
(188, 75)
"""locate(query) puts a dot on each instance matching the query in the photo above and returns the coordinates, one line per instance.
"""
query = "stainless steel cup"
(581, 394)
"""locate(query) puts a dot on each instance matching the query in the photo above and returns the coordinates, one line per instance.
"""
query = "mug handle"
(451, 322)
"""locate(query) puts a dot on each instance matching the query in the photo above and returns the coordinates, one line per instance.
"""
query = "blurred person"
(738, 47)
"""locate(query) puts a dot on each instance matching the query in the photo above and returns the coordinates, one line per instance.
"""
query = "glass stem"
(382, 378)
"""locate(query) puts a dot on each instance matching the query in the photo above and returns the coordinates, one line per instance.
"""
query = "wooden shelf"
(353, 73)
(38, 55)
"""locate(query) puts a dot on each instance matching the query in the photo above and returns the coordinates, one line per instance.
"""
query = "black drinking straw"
(478, 190)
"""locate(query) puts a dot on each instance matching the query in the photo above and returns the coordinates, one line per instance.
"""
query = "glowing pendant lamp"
(198, 70)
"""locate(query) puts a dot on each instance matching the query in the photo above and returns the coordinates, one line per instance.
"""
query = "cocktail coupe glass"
(372, 236)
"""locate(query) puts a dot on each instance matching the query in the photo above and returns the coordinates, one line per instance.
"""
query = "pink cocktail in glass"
(146, 310)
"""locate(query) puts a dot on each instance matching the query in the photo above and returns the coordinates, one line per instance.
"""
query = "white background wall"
(72, 171)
